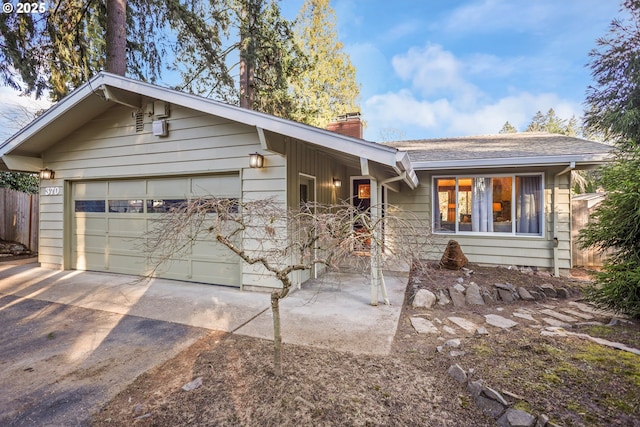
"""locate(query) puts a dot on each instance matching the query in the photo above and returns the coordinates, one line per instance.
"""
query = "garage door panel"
(88, 260)
(95, 242)
(219, 186)
(125, 245)
(127, 188)
(221, 273)
(175, 269)
(127, 225)
(90, 189)
(112, 239)
(168, 187)
(86, 224)
(208, 250)
(127, 264)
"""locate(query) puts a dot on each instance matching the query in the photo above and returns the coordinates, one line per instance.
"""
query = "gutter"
(556, 267)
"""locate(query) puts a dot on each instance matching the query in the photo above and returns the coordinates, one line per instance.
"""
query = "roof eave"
(354, 146)
(579, 159)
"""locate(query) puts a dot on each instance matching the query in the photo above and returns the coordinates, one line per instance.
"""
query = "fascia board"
(324, 138)
(587, 159)
(51, 115)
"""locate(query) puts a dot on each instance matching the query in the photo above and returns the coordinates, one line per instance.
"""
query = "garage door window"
(90, 206)
(164, 205)
(126, 206)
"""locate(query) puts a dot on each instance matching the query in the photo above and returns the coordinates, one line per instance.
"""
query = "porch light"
(47, 174)
(256, 160)
(337, 182)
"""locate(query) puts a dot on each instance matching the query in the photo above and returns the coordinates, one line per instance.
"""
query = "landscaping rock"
(475, 388)
(505, 295)
(524, 294)
(453, 257)
(455, 343)
(492, 394)
(549, 290)
(457, 373)
(499, 321)
(487, 297)
(516, 418)
(423, 326)
(193, 384)
(442, 298)
(543, 419)
(473, 296)
(465, 324)
(489, 406)
(424, 298)
(457, 297)
(458, 287)
(562, 293)
(481, 331)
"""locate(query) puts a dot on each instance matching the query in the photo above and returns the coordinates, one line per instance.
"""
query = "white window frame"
(513, 232)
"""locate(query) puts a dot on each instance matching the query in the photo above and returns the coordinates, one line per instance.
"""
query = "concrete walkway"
(331, 312)
(72, 340)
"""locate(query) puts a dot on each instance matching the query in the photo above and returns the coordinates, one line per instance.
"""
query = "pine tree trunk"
(248, 53)
(277, 337)
(116, 37)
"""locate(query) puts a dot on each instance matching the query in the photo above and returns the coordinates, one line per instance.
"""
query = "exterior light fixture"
(337, 182)
(47, 174)
(256, 160)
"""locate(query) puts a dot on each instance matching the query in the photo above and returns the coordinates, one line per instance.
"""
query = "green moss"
(482, 350)
(617, 362)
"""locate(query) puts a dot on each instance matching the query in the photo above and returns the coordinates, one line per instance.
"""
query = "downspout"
(556, 267)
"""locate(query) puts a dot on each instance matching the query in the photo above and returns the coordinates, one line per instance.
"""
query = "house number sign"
(51, 191)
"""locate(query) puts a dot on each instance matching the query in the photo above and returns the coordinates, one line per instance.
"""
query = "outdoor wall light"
(47, 174)
(337, 182)
(256, 160)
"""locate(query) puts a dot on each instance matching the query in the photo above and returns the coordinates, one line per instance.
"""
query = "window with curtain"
(488, 204)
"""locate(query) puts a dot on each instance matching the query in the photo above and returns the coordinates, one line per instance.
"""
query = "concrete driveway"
(69, 340)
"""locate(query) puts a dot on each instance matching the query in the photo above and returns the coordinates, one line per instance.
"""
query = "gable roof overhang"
(99, 94)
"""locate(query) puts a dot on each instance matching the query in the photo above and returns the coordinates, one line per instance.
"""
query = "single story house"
(116, 152)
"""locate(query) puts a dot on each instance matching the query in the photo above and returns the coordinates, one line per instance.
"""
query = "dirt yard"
(573, 381)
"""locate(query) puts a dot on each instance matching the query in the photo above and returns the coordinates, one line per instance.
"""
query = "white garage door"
(111, 218)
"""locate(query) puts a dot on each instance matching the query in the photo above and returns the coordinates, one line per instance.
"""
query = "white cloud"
(421, 118)
(433, 70)
(497, 15)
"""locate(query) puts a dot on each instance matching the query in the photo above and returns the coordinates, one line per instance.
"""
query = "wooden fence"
(582, 207)
(19, 213)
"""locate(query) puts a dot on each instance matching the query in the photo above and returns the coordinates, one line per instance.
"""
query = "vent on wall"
(139, 117)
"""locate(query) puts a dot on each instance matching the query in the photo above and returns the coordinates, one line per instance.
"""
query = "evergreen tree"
(614, 112)
(508, 128)
(328, 87)
(72, 40)
(537, 123)
(551, 123)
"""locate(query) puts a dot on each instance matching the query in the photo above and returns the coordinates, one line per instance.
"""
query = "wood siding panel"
(108, 147)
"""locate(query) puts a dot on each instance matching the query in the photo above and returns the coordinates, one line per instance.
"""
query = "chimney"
(347, 124)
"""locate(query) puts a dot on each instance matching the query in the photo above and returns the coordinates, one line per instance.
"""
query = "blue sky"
(438, 68)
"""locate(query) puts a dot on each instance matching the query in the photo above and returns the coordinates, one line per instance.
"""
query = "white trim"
(513, 232)
(585, 159)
